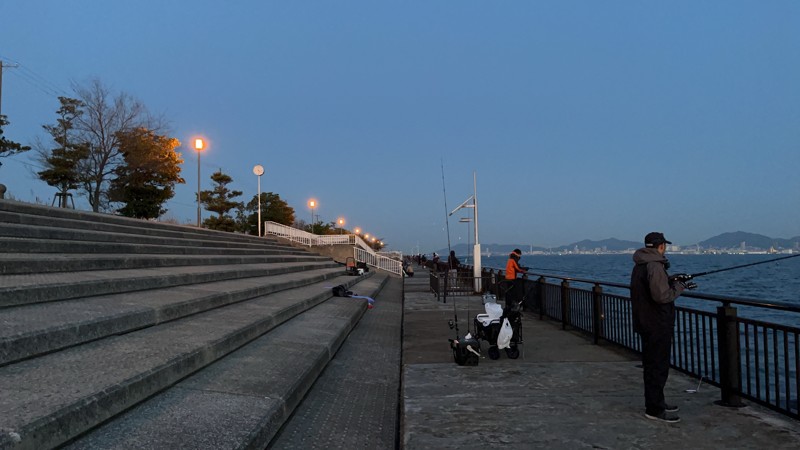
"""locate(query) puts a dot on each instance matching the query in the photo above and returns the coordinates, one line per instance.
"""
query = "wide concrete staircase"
(122, 333)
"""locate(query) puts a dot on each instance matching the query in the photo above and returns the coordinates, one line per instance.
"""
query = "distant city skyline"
(582, 120)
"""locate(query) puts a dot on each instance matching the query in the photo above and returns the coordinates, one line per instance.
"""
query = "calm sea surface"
(770, 282)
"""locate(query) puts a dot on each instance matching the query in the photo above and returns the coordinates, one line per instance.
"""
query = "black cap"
(655, 239)
(517, 251)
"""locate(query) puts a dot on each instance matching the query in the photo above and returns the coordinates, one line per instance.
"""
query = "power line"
(38, 81)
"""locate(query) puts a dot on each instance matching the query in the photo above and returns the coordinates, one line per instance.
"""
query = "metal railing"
(362, 252)
(310, 239)
(745, 357)
(381, 262)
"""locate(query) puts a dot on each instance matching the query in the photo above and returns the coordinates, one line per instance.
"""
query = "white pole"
(259, 206)
(476, 252)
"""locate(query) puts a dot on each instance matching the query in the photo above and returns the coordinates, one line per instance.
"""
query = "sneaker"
(663, 417)
(671, 408)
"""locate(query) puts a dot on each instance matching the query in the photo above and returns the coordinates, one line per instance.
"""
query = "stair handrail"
(310, 239)
(381, 262)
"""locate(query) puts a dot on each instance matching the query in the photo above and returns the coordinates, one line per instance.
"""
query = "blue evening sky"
(582, 119)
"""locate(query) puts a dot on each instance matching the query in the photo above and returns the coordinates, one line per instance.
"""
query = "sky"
(580, 119)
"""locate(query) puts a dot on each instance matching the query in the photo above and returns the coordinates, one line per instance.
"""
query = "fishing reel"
(451, 324)
(682, 277)
(685, 280)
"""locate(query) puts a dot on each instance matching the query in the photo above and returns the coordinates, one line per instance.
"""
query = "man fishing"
(514, 285)
(653, 295)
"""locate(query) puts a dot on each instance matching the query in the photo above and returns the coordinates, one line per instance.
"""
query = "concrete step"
(30, 245)
(32, 330)
(54, 398)
(54, 233)
(22, 263)
(242, 400)
(47, 287)
(26, 213)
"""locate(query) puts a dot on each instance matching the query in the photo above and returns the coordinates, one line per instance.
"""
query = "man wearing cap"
(653, 294)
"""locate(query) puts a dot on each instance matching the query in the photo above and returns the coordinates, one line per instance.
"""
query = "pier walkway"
(118, 333)
(563, 392)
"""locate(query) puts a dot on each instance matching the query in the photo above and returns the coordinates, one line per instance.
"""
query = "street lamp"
(311, 204)
(198, 145)
(472, 202)
(466, 220)
(258, 170)
(357, 230)
(341, 225)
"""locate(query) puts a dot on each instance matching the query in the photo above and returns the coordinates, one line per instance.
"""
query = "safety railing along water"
(747, 356)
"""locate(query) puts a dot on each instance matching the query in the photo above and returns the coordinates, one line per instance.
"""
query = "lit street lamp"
(341, 225)
(311, 204)
(357, 230)
(198, 145)
(258, 170)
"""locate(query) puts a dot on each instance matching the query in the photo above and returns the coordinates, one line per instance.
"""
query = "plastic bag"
(493, 310)
(504, 337)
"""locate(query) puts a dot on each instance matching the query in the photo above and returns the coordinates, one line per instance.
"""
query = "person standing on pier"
(513, 293)
(653, 295)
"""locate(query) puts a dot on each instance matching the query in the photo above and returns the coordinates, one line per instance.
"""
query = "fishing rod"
(695, 275)
(447, 225)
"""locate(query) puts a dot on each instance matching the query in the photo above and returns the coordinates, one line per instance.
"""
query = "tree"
(100, 124)
(220, 200)
(61, 163)
(148, 176)
(273, 208)
(7, 147)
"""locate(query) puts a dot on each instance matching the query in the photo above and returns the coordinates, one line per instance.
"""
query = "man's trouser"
(656, 348)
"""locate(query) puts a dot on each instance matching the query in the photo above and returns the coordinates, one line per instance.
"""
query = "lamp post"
(341, 225)
(311, 204)
(472, 202)
(258, 170)
(357, 230)
(466, 220)
(198, 145)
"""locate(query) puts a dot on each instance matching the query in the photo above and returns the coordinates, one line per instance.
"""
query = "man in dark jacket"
(653, 294)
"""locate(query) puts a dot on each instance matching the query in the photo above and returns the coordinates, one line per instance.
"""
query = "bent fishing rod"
(701, 274)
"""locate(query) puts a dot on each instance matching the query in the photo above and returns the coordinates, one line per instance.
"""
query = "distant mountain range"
(731, 240)
(749, 240)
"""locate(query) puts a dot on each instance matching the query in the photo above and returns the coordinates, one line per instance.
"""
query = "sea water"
(770, 282)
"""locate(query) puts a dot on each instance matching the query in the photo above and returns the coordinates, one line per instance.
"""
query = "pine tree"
(63, 161)
(220, 200)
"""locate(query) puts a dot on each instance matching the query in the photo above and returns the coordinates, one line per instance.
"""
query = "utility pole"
(2, 64)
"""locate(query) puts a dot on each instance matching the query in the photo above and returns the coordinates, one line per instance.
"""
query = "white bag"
(504, 337)
(493, 310)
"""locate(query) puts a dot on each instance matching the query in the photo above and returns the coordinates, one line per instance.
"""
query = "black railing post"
(542, 290)
(434, 283)
(729, 358)
(444, 276)
(498, 289)
(523, 296)
(564, 304)
(597, 313)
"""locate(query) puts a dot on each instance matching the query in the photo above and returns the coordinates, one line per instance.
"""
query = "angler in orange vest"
(513, 285)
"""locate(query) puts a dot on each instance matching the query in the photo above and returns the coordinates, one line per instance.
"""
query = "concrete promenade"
(563, 392)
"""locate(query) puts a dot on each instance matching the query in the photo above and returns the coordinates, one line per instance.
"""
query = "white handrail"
(361, 250)
(306, 238)
(381, 262)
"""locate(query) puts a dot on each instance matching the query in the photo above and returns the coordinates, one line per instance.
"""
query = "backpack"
(341, 291)
(466, 351)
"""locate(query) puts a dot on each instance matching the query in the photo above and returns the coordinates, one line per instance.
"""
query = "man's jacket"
(652, 293)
